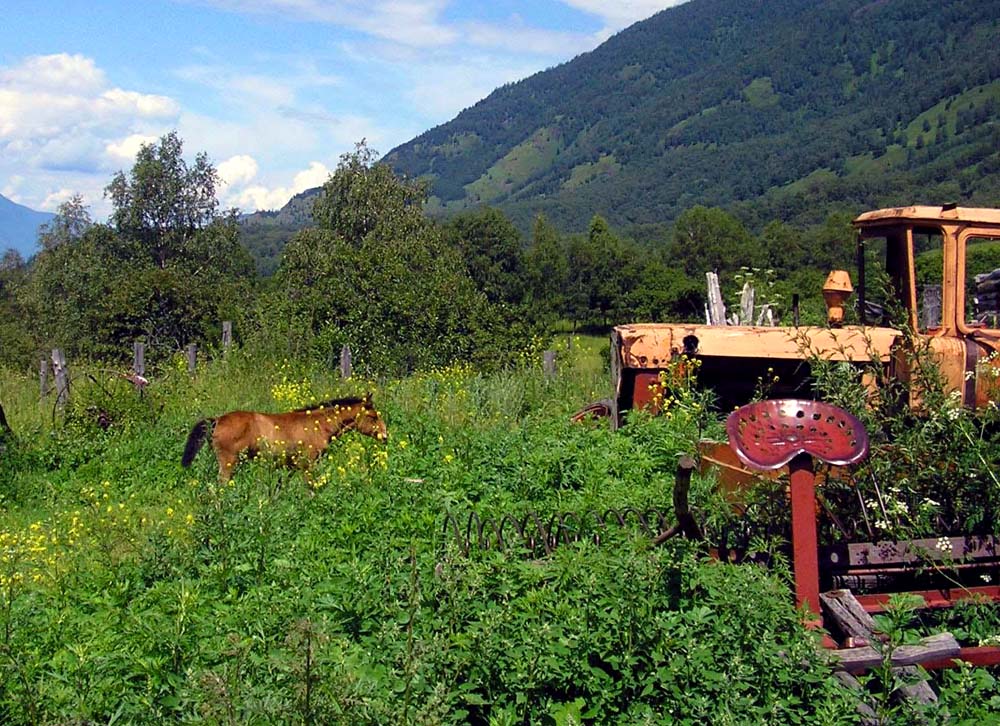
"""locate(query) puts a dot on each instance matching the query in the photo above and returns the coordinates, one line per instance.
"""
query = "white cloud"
(53, 200)
(260, 196)
(410, 22)
(58, 72)
(314, 176)
(620, 13)
(518, 38)
(125, 150)
(60, 116)
(244, 89)
(116, 100)
(237, 170)
(442, 90)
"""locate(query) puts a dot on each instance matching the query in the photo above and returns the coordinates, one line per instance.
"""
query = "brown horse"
(297, 437)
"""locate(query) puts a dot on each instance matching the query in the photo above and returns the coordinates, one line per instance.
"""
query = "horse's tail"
(196, 440)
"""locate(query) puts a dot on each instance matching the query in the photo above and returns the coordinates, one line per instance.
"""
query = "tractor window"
(878, 286)
(887, 274)
(928, 250)
(982, 281)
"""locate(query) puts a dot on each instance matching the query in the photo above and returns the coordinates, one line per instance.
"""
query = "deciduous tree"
(710, 239)
(493, 252)
(167, 269)
(378, 275)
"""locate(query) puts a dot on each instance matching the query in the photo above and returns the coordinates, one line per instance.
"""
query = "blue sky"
(273, 90)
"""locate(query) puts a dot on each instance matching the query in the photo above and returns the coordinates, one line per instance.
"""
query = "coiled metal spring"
(533, 536)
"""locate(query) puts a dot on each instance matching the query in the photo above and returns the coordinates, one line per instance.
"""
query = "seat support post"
(805, 557)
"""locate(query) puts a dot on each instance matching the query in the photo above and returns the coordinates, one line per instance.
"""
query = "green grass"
(135, 591)
(581, 174)
(947, 110)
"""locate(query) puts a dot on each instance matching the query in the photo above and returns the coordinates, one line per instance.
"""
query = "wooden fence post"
(227, 334)
(192, 355)
(43, 378)
(747, 305)
(930, 308)
(139, 358)
(62, 377)
(345, 362)
(716, 308)
(549, 363)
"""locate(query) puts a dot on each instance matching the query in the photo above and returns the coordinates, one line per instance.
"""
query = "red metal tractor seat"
(770, 434)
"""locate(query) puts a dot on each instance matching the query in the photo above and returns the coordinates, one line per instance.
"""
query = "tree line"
(404, 291)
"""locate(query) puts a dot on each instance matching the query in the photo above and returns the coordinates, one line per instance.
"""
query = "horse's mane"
(330, 403)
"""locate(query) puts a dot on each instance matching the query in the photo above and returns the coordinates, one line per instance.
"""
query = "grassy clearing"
(135, 591)
(529, 157)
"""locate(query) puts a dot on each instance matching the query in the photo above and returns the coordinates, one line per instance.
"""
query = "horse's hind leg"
(229, 438)
(227, 456)
(227, 462)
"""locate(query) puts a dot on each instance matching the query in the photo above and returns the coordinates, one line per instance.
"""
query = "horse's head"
(369, 422)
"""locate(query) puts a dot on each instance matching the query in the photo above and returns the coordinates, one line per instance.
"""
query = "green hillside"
(774, 109)
(265, 234)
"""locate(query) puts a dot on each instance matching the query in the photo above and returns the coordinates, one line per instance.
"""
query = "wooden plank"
(850, 616)
(549, 364)
(139, 358)
(977, 655)
(345, 362)
(860, 557)
(43, 378)
(933, 647)
(746, 305)
(866, 712)
(854, 621)
(930, 307)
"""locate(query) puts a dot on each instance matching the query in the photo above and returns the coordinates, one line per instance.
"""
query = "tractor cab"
(940, 268)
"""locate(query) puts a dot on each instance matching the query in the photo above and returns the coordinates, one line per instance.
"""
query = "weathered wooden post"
(227, 334)
(192, 355)
(43, 378)
(716, 308)
(139, 358)
(747, 304)
(62, 377)
(345, 362)
(930, 308)
(549, 364)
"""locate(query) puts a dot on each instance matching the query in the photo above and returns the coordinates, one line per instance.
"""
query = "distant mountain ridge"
(19, 227)
(774, 108)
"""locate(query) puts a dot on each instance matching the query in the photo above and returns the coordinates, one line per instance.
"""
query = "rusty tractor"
(929, 255)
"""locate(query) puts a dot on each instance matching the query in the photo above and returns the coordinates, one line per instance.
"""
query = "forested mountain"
(19, 227)
(774, 109)
(264, 234)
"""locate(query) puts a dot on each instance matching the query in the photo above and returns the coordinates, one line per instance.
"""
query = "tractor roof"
(924, 214)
